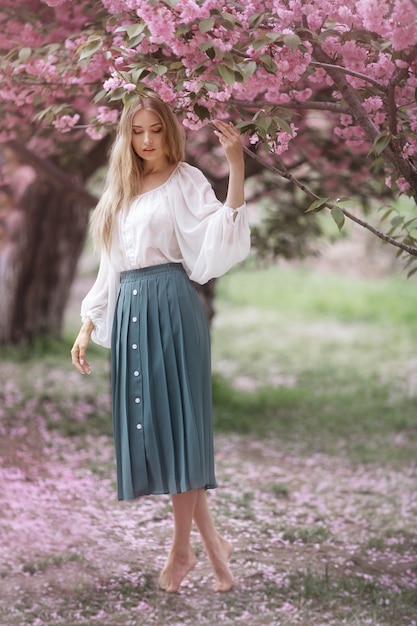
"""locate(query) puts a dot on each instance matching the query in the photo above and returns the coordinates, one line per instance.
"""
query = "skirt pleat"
(161, 384)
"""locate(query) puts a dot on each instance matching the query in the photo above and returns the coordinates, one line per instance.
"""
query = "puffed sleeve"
(209, 239)
(100, 302)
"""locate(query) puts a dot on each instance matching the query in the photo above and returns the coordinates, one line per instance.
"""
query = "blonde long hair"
(125, 171)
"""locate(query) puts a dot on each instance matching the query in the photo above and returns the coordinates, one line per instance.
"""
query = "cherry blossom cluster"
(212, 57)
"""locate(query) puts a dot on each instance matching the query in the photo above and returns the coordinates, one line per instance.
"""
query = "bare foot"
(176, 569)
(219, 555)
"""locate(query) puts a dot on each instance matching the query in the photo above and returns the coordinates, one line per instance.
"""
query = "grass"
(43, 564)
(328, 360)
(323, 360)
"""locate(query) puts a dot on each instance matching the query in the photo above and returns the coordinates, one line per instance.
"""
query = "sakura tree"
(324, 90)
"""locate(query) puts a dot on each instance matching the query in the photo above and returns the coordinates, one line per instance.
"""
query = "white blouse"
(181, 221)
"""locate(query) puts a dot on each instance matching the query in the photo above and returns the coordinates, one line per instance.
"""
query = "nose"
(147, 140)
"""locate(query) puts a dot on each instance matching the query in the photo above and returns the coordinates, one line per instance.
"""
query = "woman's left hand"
(230, 140)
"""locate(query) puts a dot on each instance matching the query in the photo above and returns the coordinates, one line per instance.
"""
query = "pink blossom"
(106, 115)
(112, 83)
(408, 150)
(302, 95)
(403, 185)
(65, 123)
(95, 133)
(129, 86)
(372, 104)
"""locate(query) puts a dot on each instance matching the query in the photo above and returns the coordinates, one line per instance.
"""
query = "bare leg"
(218, 549)
(181, 558)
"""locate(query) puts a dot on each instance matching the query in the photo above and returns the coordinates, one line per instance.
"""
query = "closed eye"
(156, 130)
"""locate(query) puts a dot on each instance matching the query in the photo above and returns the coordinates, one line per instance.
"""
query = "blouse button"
(134, 346)
(137, 400)
(136, 373)
(134, 319)
(139, 426)
(135, 292)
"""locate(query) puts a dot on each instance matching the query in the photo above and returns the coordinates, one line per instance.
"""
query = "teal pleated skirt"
(161, 385)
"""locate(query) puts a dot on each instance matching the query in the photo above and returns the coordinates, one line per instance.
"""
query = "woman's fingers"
(225, 129)
(78, 359)
(230, 140)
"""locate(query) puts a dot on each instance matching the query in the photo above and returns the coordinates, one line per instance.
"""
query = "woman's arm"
(231, 142)
(80, 347)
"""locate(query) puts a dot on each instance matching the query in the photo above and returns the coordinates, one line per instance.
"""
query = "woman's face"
(148, 136)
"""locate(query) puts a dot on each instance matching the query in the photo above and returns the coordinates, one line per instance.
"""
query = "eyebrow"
(152, 125)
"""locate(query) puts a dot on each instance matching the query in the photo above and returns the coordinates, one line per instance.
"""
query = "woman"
(158, 225)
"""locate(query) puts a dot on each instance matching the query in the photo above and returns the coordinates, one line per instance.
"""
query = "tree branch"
(321, 106)
(345, 70)
(400, 74)
(401, 165)
(284, 173)
(53, 173)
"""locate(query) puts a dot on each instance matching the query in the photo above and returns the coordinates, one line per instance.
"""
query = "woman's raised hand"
(230, 140)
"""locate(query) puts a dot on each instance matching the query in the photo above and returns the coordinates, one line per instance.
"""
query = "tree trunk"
(55, 231)
(42, 263)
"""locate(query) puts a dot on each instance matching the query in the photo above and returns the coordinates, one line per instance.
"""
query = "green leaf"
(132, 43)
(90, 47)
(381, 141)
(218, 52)
(409, 222)
(117, 94)
(205, 45)
(139, 73)
(317, 205)
(283, 124)
(338, 216)
(133, 30)
(247, 68)
(211, 53)
(227, 74)
(260, 42)
(245, 126)
(202, 112)
(291, 41)
(256, 20)
(200, 69)
(206, 25)
(159, 69)
(273, 37)
(386, 214)
(130, 97)
(397, 221)
(269, 63)
(228, 20)
(176, 65)
(211, 86)
(100, 95)
(24, 54)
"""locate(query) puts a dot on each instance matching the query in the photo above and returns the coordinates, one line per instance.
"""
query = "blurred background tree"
(324, 92)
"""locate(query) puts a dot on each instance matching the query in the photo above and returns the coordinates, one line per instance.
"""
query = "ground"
(310, 533)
